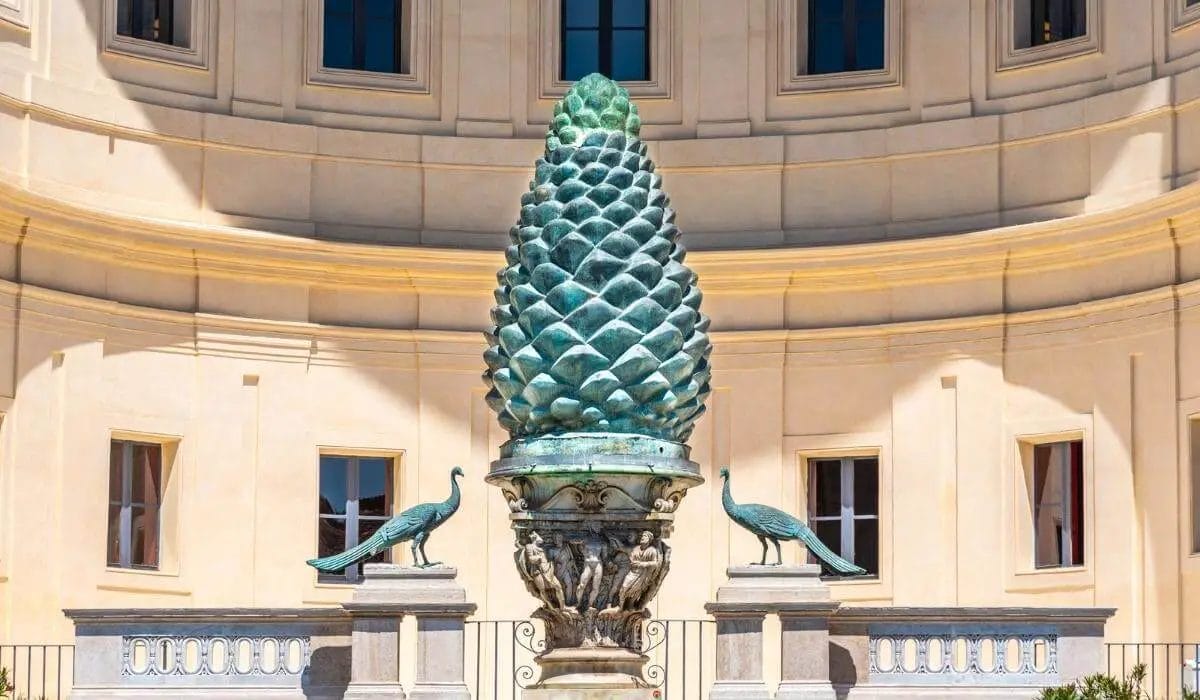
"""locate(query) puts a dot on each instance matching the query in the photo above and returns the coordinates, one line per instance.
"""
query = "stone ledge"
(973, 614)
(233, 615)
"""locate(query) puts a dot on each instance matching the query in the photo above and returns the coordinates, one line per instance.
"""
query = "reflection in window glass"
(1058, 504)
(160, 21)
(1057, 20)
(605, 36)
(355, 499)
(134, 497)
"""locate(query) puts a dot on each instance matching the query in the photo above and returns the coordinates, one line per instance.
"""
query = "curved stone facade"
(253, 267)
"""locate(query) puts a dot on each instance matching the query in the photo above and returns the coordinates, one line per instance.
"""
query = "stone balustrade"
(894, 652)
(211, 653)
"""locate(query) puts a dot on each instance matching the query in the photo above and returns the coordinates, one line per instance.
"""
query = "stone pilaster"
(802, 601)
(389, 592)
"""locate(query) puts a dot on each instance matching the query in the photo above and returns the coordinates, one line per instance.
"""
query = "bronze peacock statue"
(769, 523)
(414, 524)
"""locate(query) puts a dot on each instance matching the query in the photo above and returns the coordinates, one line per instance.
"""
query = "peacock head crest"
(724, 473)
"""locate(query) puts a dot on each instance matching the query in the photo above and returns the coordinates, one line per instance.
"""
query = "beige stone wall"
(162, 275)
(958, 133)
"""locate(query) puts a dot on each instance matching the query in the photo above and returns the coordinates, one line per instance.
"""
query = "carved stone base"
(375, 691)
(599, 669)
(805, 690)
(739, 690)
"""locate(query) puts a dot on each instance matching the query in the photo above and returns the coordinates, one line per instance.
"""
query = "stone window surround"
(800, 449)
(1022, 575)
(18, 12)
(168, 507)
(1008, 56)
(201, 23)
(331, 581)
(792, 26)
(416, 43)
(1184, 14)
(546, 20)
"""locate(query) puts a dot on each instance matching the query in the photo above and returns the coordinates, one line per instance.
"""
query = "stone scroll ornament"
(598, 369)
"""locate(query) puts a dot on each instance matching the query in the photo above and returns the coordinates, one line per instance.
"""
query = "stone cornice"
(1162, 225)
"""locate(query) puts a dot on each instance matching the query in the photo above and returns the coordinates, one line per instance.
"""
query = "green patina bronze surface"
(597, 319)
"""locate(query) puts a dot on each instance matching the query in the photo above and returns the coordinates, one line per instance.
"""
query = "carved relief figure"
(564, 567)
(645, 560)
(620, 566)
(537, 569)
(590, 578)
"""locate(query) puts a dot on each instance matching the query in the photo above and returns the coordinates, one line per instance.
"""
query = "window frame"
(17, 13)
(199, 18)
(847, 516)
(1192, 425)
(605, 29)
(353, 573)
(789, 44)
(182, 8)
(418, 42)
(1067, 505)
(400, 52)
(1015, 51)
(1034, 30)
(126, 504)
(849, 40)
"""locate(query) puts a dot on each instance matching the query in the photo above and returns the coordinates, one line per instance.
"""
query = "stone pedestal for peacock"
(598, 369)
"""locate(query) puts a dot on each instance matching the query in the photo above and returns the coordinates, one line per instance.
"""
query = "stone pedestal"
(802, 601)
(587, 674)
(387, 594)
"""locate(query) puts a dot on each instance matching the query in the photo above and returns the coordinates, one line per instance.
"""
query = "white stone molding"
(199, 15)
(417, 23)
(1184, 14)
(1010, 15)
(546, 48)
(18, 12)
(790, 30)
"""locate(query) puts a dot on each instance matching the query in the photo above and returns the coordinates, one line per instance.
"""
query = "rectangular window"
(160, 21)
(1056, 20)
(843, 508)
(366, 35)
(845, 35)
(1194, 449)
(354, 500)
(1058, 504)
(134, 504)
(606, 36)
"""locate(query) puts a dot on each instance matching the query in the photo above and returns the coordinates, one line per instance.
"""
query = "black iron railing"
(500, 657)
(1171, 668)
(37, 671)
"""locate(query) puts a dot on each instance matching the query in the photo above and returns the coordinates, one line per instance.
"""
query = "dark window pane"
(116, 457)
(147, 473)
(380, 40)
(366, 528)
(374, 486)
(830, 532)
(866, 486)
(333, 480)
(868, 48)
(1076, 488)
(339, 34)
(826, 37)
(581, 53)
(629, 55)
(827, 489)
(629, 13)
(866, 545)
(581, 14)
(114, 535)
(331, 536)
(144, 537)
